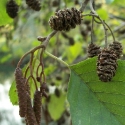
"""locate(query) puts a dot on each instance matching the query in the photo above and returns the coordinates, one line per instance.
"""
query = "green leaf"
(73, 51)
(95, 102)
(103, 13)
(4, 18)
(119, 2)
(13, 94)
(56, 106)
(6, 58)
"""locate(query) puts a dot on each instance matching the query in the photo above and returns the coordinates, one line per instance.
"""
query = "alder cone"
(117, 48)
(106, 65)
(21, 90)
(71, 41)
(37, 105)
(76, 2)
(93, 50)
(65, 19)
(12, 8)
(34, 4)
(30, 116)
(55, 3)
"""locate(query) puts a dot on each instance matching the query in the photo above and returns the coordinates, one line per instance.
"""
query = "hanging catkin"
(30, 116)
(21, 90)
(37, 105)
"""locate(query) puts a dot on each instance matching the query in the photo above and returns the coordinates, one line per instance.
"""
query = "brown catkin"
(21, 90)
(30, 116)
(37, 105)
(55, 3)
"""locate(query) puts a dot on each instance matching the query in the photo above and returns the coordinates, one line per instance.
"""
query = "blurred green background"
(20, 35)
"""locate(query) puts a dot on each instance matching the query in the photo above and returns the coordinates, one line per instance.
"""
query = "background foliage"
(20, 35)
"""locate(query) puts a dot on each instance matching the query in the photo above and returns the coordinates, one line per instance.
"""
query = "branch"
(44, 45)
(56, 58)
(84, 4)
(102, 22)
(115, 30)
(117, 17)
(48, 38)
(91, 7)
(31, 51)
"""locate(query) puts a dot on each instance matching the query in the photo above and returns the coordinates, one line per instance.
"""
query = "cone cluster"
(34, 4)
(12, 8)
(93, 50)
(117, 48)
(55, 3)
(65, 19)
(106, 65)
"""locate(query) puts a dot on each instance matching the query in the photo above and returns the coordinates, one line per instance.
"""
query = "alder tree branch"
(84, 4)
(102, 21)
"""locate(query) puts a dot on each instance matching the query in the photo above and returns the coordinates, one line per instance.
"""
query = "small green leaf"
(119, 2)
(56, 106)
(5, 58)
(4, 18)
(95, 102)
(103, 13)
(73, 51)
(13, 94)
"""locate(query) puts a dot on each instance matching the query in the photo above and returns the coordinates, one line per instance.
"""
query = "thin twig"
(30, 65)
(31, 76)
(92, 30)
(97, 21)
(91, 7)
(48, 38)
(117, 17)
(37, 70)
(56, 58)
(32, 50)
(97, 16)
(84, 4)
(26, 71)
(42, 65)
(44, 45)
(108, 28)
(110, 31)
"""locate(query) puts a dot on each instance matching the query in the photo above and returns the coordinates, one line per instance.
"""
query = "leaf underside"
(93, 102)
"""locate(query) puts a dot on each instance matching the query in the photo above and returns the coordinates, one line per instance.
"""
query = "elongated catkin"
(21, 90)
(37, 104)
